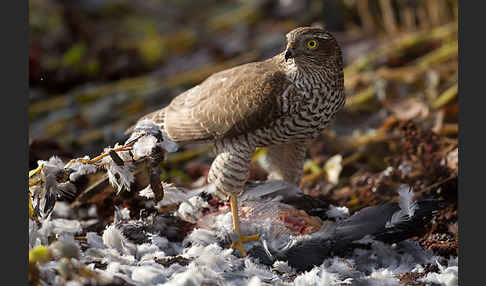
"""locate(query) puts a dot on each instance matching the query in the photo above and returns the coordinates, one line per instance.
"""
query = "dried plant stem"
(449, 129)
(35, 171)
(437, 184)
(422, 16)
(365, 16)
(388, 16)
(378, 136)
(444, 52)
(314, 176)
(434, 11)
(445, 97)
(360, 97)
(401, 43)
(136, 85)
(406, 13)
(187, 154)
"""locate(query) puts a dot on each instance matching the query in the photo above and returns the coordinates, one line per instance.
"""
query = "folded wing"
(228, 103)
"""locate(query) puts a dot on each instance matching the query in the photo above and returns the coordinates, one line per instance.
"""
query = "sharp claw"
(236, 227)
(239, 244)
(254, 237)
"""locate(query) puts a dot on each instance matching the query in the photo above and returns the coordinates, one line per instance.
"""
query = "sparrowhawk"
(280, 103)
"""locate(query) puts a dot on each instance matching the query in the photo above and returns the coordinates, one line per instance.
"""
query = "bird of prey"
(280, 103)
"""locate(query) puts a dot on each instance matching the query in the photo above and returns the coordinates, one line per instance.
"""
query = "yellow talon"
(32, 215)
(249, 238)
(35, 171)
(236, 227)
(239, 245)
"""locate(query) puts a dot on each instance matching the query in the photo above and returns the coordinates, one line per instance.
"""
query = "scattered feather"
(273, 188)
(406, 204)
(173, 194)
(319, 276)
(94, 240)
(149, 127)
(120, 177)
(192, 209)
(406, 200)
(61, 225)
(147, 192)
(337, 212)
(150, 275)
(282, 267)
(207, 258)
(62, 210)
(255, 281)
(447, 276)
(81, 169)
(383, 277)
(263, 272)
(144, 146)
(333, 168)
(113, 238)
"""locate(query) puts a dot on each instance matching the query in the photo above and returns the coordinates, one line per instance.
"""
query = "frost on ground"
(294, 249)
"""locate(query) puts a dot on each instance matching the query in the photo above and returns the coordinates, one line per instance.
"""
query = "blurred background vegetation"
(95, 66)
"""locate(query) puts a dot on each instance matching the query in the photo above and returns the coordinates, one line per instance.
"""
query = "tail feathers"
(388, 222)
(367, 221)
(407, 226)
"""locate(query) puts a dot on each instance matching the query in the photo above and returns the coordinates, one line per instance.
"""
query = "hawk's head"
(312, 46)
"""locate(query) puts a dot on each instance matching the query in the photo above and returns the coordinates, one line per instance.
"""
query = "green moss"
(91, 68)
(151, 49)
(74, 55)
(176, 173)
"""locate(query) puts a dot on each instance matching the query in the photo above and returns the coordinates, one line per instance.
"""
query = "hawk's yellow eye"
(312, 44)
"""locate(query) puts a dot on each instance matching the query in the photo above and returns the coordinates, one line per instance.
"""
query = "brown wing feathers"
(228, 103)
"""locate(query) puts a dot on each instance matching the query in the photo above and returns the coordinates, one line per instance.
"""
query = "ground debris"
(397, 130)
(168, 261)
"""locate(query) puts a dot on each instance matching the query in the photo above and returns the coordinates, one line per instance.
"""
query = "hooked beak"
(290, 53)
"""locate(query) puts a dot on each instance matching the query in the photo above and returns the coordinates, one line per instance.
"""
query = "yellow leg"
(236, 227)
